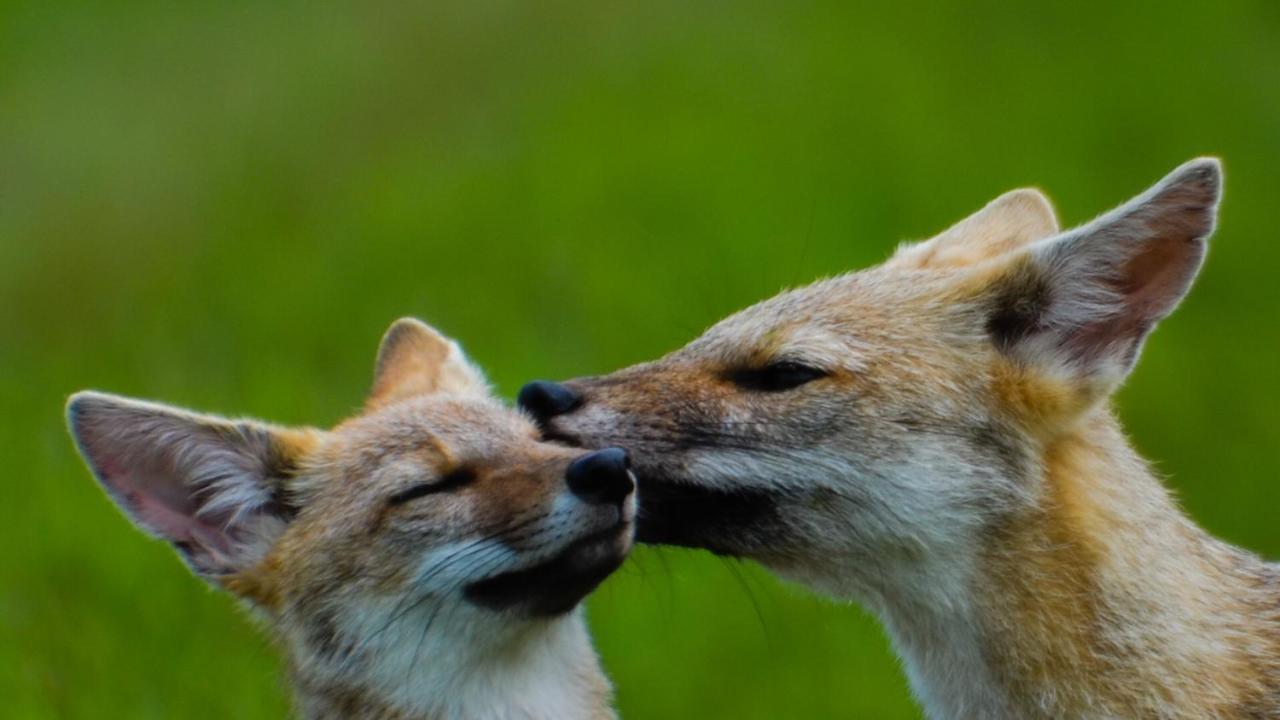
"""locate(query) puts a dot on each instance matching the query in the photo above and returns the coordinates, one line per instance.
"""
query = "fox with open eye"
(422, 560)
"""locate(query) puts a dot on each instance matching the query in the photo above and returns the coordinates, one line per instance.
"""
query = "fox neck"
(546, 670)
(1099, 599)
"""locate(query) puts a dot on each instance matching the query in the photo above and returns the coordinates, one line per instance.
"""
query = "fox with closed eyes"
(424, 560)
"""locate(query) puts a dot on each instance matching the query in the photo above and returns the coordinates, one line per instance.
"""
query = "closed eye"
(776, 376)
(453, 481)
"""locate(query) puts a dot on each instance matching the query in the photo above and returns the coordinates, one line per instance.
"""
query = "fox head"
(434, 513)
(868, 424)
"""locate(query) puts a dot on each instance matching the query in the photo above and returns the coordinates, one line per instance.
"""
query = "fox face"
(860, 432)
(435, 523)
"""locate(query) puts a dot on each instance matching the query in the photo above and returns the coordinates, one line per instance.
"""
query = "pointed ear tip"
(1031, 198)
(77, 400)
(1031, 204)
(405, 331)
(1210, 163)
(407, 323)
(79, 409)
(1202, 172)
(408, 331)
(1027, 194)
(408, 320)
(411, 327)
(86, 401)
(74, 412)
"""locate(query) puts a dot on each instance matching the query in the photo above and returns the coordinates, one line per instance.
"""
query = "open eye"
(453, 481)
(776, 377)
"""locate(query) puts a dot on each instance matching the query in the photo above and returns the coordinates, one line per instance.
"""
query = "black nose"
(545, 399)
(601, 477)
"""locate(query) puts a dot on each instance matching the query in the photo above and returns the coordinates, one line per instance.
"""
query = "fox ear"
(1007, 223)
(1085, 301)
(414, 359)
(213, 488)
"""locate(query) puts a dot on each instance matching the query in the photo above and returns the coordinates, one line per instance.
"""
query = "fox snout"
(602, 477)
(548, 402)
(676, 509)
(544, 399)
(558, 409)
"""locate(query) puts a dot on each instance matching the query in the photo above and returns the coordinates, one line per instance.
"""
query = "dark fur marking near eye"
(776, 377)
(453, 481)
(1019, 308)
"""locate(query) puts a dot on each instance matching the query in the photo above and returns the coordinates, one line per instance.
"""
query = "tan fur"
(952, 462)
(1103, 600)
(366, 595)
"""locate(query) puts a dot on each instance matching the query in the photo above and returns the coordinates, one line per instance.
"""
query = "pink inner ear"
(199, 483)
(109, 466)
(159, 517)
(1148, 287)
(164, 507)
(1159, 275)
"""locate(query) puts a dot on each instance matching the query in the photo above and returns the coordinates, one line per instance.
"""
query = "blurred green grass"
(223, 205)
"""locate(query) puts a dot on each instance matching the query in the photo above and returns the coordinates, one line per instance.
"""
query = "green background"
(223, 205)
